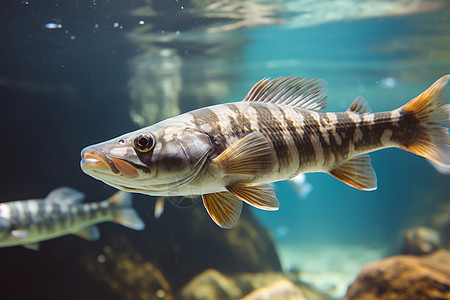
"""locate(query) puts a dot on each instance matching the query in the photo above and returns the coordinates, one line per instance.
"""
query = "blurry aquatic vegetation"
(189, 54)
(213, 16)
(422, 43)
(190, 59)
(155, 85)
(241, 14)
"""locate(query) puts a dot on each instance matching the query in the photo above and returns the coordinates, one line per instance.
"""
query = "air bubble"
(101, 258)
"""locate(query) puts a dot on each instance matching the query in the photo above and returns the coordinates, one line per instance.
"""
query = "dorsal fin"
(306, 93)
(65, 195)
(32, 246)
(360, 106)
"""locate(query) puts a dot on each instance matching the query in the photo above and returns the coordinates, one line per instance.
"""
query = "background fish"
(229, 153)
(28, 222)
(301, 187)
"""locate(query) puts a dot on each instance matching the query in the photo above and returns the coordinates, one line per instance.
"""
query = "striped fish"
(28, 222)
(229, 153)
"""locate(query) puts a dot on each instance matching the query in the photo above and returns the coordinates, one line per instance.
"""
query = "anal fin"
(223, 207)
(260, 196)
(90, 233)
(32, 246)
(357, 173)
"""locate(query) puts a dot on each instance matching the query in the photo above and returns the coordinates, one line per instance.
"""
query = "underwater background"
(74, 73)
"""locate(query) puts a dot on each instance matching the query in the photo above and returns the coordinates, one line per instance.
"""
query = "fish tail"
(431, 111)
(124, 213)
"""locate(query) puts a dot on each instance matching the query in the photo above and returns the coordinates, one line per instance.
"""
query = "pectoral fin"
(90, 233)
(223, 207)
(357, 173)
(251, 155)
(260, 196)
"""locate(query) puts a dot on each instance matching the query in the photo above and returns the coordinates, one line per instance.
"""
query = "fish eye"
(144, 142)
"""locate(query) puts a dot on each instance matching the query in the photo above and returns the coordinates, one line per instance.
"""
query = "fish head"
(156, 160)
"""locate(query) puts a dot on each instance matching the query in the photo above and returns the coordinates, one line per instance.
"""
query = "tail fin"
(433, 113)
(125, 214)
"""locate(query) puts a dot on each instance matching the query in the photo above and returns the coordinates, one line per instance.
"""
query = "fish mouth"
(99, 162)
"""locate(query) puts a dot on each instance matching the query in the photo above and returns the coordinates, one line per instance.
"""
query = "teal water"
(112, 68)
(349, 56)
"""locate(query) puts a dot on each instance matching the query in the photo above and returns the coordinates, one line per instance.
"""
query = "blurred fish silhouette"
(229, 153)
(28, 222)
(159, 207)
(301, 187)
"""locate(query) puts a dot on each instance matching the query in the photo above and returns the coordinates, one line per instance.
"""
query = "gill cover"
(177, 155)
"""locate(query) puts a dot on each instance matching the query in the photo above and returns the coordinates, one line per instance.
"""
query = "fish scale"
(284, 132)
(229, 153)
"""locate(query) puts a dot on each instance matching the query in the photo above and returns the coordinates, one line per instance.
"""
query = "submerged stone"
(404, 277)
(421, 240)
(211, 284)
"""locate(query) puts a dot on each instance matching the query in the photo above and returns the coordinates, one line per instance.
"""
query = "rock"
(127, 273)
(249, 282)
(404, 277)
(189, 242)
(281, 289)
(176, 248)
(445, 235)
(211, 284)
(421, 240)
(151, 264)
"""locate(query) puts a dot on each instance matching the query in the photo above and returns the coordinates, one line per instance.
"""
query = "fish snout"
(96, 160)
(99, 162)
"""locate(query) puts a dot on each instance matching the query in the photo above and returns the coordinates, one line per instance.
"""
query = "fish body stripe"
(232, 152)
(207, 120)
(274, 129)
(303, 140)
(43, 219)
